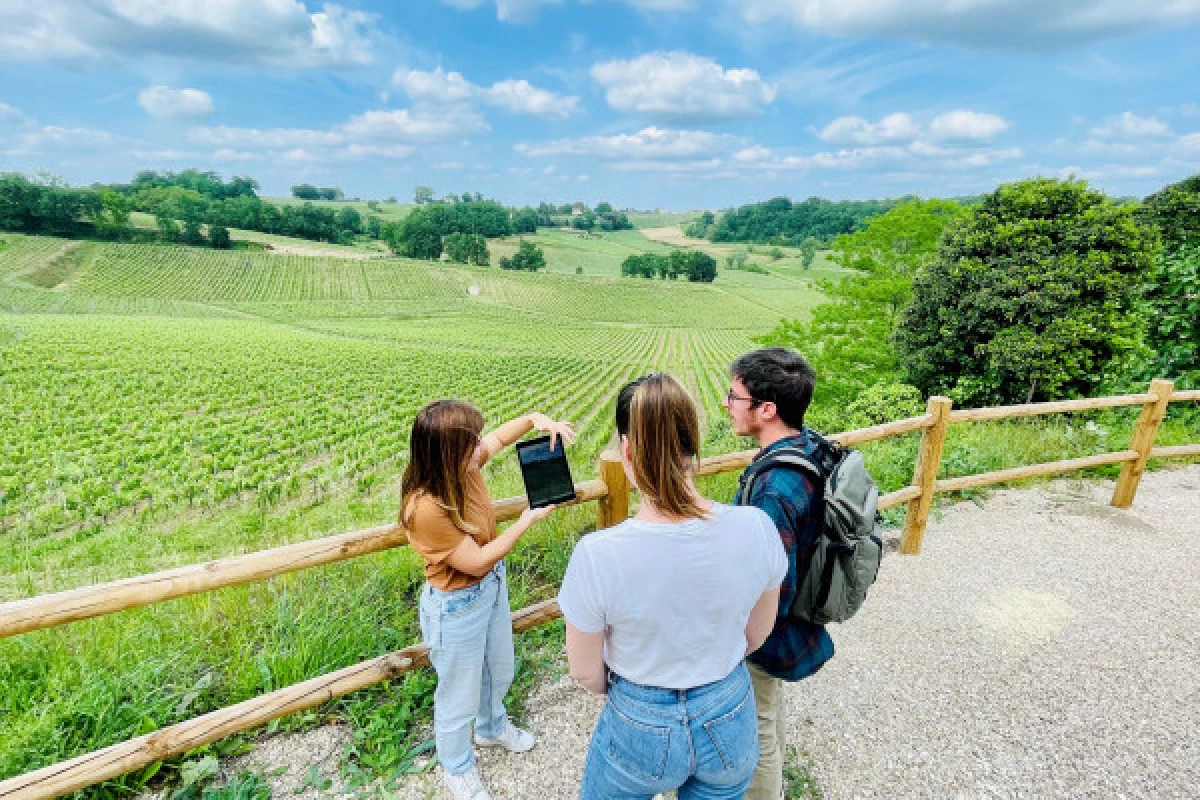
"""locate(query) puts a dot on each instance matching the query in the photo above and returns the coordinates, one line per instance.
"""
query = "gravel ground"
(1043, 645)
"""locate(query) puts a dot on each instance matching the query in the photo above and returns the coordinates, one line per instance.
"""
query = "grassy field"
(165, 405)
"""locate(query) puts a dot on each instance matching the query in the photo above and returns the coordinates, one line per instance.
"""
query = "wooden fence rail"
(611, 491)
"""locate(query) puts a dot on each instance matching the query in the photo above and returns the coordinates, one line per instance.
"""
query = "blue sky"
(674, 104)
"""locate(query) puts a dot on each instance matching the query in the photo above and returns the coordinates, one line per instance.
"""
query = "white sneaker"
(514, 740)
(467, 786)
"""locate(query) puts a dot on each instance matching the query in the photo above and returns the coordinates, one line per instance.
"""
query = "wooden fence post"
(925, 474)
(613, 507)
(1144, 434)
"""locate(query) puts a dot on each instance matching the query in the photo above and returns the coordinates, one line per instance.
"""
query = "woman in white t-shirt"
(662, 609)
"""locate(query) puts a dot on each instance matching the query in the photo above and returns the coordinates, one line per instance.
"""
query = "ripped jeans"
(701, 741)
(469, 633)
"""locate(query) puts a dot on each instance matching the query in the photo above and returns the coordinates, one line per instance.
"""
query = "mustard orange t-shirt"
(433, 534)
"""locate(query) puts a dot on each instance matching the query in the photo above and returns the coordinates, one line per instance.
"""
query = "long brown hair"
(660, 419)
(444, 435)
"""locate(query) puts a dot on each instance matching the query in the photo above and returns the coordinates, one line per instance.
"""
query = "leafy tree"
(112, 222)
(419, 235)
(350, 221)
(218, 237)
(584, 222)
(848, 338)
(696, 266)
(1175, 211)
(529, 257)
(603, 208)
(808, 252)
(525, 221)
(1031, 297)
(903, 240)
(422, 195)
(644, 265)
(781, 221)
(306, 191)
(466, 248)
(1173, 321)
(374, 227)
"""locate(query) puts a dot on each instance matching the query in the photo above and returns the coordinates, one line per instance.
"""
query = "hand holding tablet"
(545, 471)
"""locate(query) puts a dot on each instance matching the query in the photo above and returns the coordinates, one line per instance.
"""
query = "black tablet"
(547, 474)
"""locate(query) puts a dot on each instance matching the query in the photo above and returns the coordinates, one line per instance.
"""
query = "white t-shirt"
(674, 598)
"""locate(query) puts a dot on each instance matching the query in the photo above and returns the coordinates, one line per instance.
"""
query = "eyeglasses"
(730, 397)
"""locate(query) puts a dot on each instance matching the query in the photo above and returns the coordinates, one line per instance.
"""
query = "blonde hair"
(444, 435)
(659, 417)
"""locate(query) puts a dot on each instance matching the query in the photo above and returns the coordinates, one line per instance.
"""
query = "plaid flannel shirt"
(796, 648)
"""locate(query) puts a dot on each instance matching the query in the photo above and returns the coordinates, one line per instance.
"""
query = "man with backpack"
(769, 394)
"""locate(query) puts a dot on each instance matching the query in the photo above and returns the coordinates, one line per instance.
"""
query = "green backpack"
(849, 547)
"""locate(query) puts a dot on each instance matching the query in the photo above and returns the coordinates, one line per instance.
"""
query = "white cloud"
(507, 10)
(275, 32)
(1128, 125)
(892, 128)
(751, 154)
(971, 125)
(21, 135)
(519, 96)
(704, 165)
(527, 10)
(229, 154)
(438, 87)
(376, 134)
(679, 84)
(1012, 24)
(222, 136)
(648, 143)
(54, 138)
(409, 125)
(163, 101)
(11, 118)
(1190, 141)
(356, 151)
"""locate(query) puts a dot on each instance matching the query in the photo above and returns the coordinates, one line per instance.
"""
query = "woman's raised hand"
(532, 515)
(556, 429)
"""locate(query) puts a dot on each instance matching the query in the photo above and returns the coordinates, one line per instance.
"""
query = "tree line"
(779, 221)
(692, 264)
(1043, 289)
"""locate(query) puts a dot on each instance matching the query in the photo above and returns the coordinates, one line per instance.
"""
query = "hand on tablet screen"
(556, 429)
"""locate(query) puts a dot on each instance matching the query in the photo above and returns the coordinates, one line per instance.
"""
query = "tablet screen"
(547, 475)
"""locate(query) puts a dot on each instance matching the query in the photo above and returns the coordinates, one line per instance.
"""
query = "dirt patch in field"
(299, 250)
(669, 235)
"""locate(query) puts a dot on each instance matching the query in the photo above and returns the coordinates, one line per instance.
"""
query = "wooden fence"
(610, 491)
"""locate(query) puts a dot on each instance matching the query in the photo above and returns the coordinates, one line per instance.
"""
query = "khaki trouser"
(768, 775)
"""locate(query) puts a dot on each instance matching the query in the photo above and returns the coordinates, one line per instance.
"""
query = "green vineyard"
(146, 379)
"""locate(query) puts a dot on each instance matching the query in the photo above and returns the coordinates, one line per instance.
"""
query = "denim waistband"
(497, 572)
(699, 697)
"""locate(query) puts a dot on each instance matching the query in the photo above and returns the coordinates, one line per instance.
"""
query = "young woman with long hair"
(464, 609)
(661, 611)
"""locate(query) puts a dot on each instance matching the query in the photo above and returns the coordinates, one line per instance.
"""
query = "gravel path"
(1043, 645)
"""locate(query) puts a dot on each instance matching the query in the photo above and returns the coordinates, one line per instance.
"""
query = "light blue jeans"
(701, 741)
(469, 633)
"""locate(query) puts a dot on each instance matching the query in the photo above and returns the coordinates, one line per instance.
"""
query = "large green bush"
(1033, 296)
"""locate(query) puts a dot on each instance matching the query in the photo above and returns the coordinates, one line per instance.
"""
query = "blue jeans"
(701, 741)
(469, 633)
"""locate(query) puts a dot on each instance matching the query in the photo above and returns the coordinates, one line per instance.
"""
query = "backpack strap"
(817, 465)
